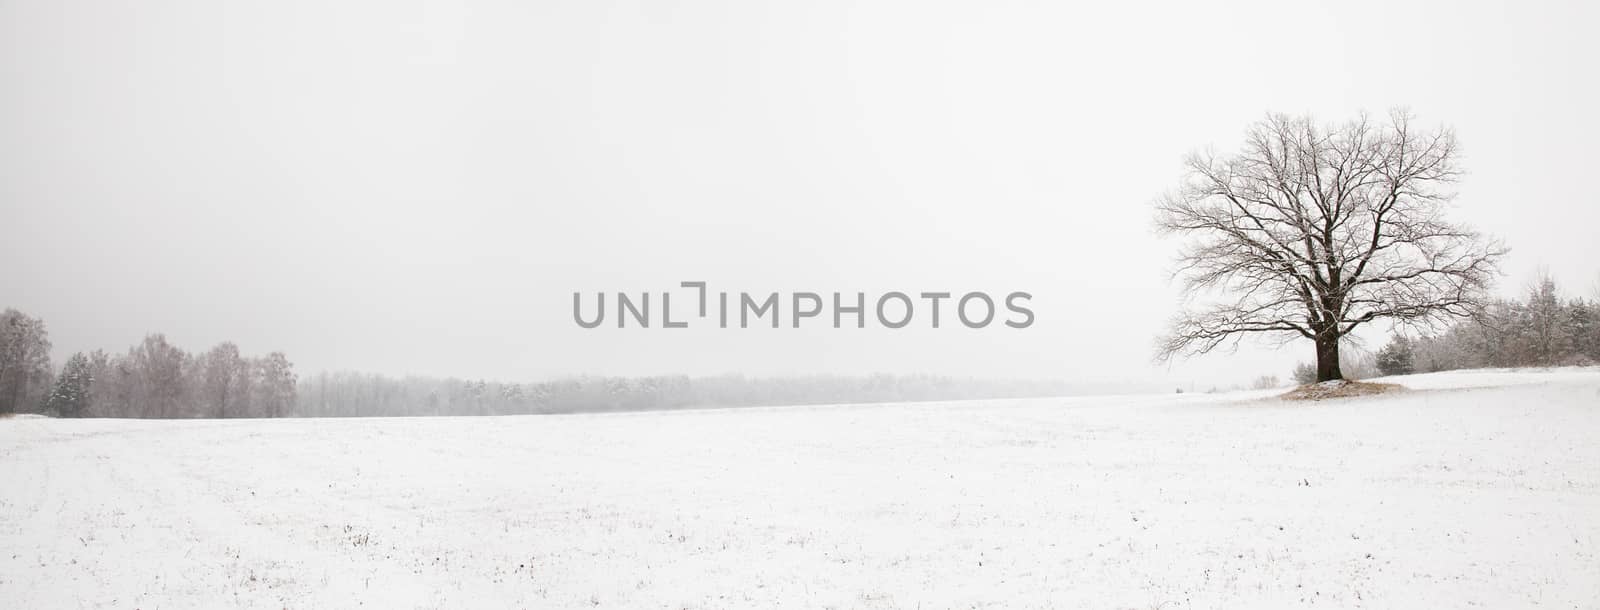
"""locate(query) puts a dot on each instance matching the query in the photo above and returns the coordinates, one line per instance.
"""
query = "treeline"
(362, 395)
(153, 379)
(158, 379)
(1543, 329)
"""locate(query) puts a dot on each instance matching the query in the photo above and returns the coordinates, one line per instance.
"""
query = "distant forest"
(1543, 329)
(357, 394)
(152, 379)
(156, 379)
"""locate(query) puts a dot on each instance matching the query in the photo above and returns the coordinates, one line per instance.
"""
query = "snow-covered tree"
(1397, 358)
(222, 372)
(276, 387)
(1583, 324)
(1311, 231)
(71, 396)
(159, 370)
(1543, 320)
(24, 361)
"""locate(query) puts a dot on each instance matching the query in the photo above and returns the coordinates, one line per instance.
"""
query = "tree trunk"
(1328, 359)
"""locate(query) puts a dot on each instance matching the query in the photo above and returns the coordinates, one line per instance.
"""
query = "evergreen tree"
(1397, 357)
(70, 398)
(1583, 328)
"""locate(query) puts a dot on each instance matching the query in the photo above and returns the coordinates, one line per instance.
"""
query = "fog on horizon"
(420, 187)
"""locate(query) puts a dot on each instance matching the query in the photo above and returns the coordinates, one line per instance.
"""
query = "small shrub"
(1305, 373)
(1265, 382)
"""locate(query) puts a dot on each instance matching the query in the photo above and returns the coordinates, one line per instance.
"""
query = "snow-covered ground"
(1477, 489)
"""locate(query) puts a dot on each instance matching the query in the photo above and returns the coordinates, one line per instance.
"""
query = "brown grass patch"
(1339, 389)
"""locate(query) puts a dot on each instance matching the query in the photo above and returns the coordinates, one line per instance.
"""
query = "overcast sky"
(419, 187)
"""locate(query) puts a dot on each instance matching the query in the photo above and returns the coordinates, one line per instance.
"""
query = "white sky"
(418, 187)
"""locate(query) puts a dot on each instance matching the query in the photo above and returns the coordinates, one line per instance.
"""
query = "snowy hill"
(1474, 489)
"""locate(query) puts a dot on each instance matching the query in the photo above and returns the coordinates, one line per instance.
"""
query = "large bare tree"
(1312, 231)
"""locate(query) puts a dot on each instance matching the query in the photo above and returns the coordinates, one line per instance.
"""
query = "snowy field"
(1473, 490)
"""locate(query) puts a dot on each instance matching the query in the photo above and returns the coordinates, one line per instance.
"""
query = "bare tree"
(159, 368)
(222, 370)
(24, 360)
(275, 385)
(1312, 231)
(1545, 318)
